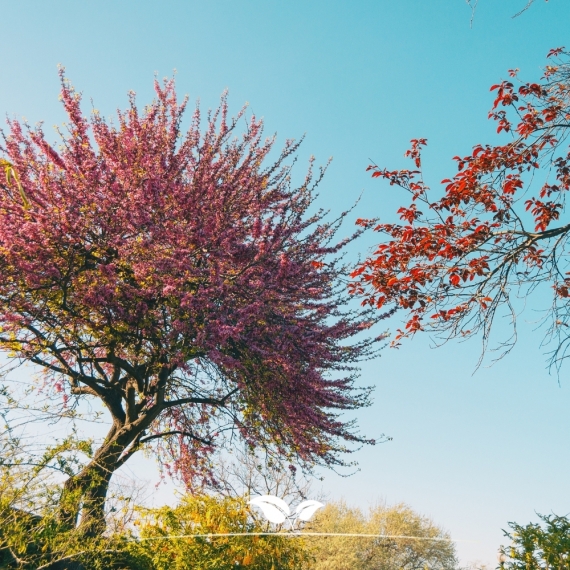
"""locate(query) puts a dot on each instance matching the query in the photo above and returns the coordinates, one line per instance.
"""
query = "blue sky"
(359, 78)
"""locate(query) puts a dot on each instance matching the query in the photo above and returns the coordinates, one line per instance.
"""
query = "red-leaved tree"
(181, 281)
(498, 230)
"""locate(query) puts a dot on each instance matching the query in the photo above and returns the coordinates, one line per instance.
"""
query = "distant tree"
(183, 284)
(360, 553)
(538, 547)
(499, 231)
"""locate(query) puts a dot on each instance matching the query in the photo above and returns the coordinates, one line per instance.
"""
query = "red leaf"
(555, 51)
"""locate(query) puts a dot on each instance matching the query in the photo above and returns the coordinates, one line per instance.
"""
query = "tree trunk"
(83, 498)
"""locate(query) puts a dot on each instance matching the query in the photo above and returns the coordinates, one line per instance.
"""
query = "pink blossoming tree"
(182, 281)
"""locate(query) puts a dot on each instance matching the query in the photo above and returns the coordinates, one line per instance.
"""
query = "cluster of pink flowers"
(181, 279)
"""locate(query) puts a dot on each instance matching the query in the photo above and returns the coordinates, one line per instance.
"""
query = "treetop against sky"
(180, 279)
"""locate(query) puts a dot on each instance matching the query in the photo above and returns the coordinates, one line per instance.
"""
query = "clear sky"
(360, 78)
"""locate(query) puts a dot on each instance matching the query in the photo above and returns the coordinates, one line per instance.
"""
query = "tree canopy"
(183, 280)
(498, 231)
(538, 546)
(431, 547)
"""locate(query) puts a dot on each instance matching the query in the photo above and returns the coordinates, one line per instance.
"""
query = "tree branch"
(524, 9)
(83, 391)
(175, 432)
(211, 401)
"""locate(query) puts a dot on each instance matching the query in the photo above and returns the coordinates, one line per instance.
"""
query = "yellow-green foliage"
(31, 536)
(538, 546)
(208, 514)
(346, 553)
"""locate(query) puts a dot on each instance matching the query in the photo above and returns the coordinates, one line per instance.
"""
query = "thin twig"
(524, 9)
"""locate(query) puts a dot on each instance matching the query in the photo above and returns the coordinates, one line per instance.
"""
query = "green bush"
(207, 514)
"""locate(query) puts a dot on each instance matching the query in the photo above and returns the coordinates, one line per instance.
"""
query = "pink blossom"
(180, 279)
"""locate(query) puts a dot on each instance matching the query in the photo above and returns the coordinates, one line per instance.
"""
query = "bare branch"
(176, 432)
(528, 5)
(212, 401)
